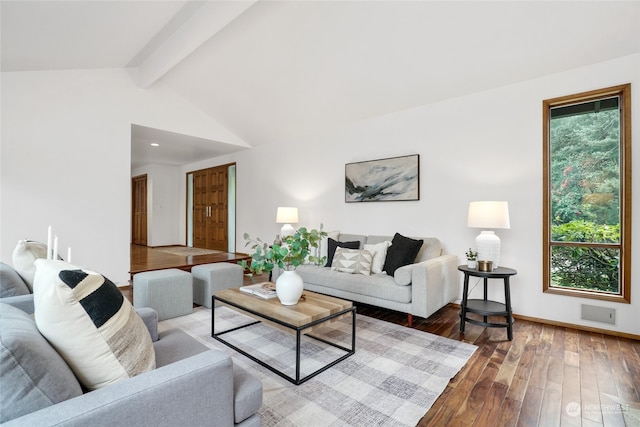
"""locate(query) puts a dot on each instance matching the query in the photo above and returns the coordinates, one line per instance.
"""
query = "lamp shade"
(488, 215)
(287, 215)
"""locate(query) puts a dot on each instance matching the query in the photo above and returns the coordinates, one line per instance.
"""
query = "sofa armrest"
(194, 391)
(150, 318)
(434, 284)
(23, 302)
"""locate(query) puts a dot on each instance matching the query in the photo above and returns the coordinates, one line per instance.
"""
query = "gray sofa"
(191, 385)
(418, 289)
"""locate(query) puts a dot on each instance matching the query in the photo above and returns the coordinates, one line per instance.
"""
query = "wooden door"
(217, 228)
(139, 210)
(210, 208)
(200, 209)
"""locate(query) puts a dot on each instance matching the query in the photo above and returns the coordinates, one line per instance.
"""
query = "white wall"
(164, 183)
(65, 159)
(485, 146)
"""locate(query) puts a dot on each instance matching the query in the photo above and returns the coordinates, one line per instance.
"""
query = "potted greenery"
(294, 250)
(472, 258)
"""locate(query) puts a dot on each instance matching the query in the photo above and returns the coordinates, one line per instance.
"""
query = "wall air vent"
(599, 314)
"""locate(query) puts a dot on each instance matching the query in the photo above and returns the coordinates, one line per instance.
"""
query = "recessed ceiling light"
(155, 144)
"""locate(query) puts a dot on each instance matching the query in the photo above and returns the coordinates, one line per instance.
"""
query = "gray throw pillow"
(11, 284)
(34, 376)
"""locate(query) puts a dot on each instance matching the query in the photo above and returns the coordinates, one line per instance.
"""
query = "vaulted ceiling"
(280, 70)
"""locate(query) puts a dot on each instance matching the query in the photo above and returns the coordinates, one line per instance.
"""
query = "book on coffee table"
(264, 290)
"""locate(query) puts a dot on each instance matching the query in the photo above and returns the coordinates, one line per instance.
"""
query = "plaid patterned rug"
(392, 379)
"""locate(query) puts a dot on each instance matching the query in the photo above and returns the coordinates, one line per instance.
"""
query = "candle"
(69, 255)
(49, 243)
(54, 255)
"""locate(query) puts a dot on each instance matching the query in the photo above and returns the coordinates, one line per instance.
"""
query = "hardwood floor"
(547, 376)
(144, 258)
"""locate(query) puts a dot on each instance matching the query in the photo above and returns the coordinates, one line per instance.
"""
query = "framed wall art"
(384, 180)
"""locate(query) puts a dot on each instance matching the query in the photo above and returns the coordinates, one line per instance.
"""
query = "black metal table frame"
(298, 329)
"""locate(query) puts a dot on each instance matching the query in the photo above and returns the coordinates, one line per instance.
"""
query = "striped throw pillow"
(89, 322)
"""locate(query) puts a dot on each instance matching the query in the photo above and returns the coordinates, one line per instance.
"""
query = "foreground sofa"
(191, 385)
(419, 289)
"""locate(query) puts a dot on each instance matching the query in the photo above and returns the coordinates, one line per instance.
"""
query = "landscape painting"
(393, 179)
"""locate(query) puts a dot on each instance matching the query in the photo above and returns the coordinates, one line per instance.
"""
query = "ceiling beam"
(205, 22)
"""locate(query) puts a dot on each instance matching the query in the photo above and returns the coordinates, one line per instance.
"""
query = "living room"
(67, 132)
(66, 150)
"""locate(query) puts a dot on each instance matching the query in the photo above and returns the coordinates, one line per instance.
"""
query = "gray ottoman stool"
(169, 292)
(209, 278)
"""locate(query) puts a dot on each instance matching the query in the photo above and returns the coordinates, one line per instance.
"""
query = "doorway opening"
(211, 208)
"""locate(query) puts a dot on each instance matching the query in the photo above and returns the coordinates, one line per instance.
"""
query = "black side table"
(487, 307)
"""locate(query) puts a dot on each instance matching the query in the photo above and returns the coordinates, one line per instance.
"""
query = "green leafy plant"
(583, 267)
(294, 251)
(471, 255)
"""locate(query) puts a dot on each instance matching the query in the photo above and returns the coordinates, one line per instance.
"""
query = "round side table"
(484, 306)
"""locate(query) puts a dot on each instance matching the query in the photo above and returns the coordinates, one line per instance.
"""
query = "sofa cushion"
(352, 261)
(379, 286)
(34, 375)
(93, 327)
(333, 244)
(379, 251)
(11, 284)
(403, 251)
(25, 255)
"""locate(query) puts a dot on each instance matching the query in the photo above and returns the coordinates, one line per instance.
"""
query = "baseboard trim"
(572, 326)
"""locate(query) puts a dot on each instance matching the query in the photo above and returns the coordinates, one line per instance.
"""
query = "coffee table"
(300, 319)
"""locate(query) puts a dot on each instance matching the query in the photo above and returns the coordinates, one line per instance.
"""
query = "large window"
(587, 194)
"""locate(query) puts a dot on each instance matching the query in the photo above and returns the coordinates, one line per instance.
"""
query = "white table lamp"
(287, 216)
(488, 215)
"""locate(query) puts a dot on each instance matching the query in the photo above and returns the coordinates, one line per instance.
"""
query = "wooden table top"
(313, 307)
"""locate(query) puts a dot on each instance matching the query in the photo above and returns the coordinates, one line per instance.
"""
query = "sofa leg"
(410, 319)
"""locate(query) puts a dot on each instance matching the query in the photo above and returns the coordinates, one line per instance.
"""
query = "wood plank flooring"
(547, 376)
(144, 258)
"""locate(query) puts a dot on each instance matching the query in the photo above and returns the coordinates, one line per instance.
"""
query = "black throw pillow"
(403, 251)
(333, 244)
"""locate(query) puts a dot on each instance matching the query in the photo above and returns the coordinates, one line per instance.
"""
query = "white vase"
(472, 263)
(289, 286)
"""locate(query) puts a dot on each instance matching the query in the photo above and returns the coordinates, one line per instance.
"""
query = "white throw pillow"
(379, 251)
(90, 323)
(352, 261)
(25, 255)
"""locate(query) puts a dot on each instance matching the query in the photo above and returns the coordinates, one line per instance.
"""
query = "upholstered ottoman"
(169, 292)
(209, 278)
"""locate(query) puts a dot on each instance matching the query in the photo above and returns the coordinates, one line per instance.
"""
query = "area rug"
(392, 379)
(186, 251)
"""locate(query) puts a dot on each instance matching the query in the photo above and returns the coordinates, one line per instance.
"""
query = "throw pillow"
(324, 243)
(25, 255)
(333, 244)
(403, 251)
(34, 375)
(379, 251)
(93, 327)
(352, 261)
(11, 284)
